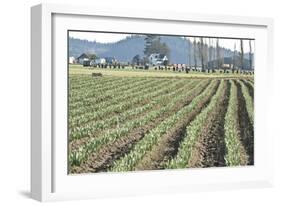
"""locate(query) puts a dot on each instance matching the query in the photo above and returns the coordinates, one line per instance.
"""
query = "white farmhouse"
(157, 59)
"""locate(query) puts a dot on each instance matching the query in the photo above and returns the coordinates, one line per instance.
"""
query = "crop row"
(97, 90)
(114, 97)
(163, 96)
(76, 157)
(193, 130)
(249, 102)
(115, 126)
(87, 92)
(235, 154)
(80, 85)
(190, 85)
(129, 161)
(102, 112)
(100, 94)
(108, 152)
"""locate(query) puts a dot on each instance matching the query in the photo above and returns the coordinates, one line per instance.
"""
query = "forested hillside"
(124, 50)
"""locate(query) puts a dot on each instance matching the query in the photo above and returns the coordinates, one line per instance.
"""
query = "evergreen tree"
(153, 44)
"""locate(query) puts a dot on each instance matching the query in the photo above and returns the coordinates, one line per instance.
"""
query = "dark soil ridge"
(245, 126)
(104, 159)
(169, 143)
(210, 149)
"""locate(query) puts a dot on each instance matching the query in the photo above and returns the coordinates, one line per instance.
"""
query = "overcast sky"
(98, 36)
(114, 37)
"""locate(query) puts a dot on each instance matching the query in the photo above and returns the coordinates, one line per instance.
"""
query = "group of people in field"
(173, 67)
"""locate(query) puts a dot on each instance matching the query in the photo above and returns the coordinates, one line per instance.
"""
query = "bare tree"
(195, 52)
(201, 52)
(206, 53)
(241, 54)
(214, 55)
(218, 54)
(234, 58)
(250, 54)
(189, 53)
(222, 59)
(210, 55)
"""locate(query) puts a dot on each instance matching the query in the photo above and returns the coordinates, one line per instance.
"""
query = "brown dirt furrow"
(245, 126)
(103, 160)
(169, 143)
(209, 150)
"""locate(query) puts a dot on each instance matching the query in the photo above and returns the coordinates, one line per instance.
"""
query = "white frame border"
(42, 88)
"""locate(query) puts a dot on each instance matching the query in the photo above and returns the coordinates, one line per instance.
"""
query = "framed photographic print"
(134, 102)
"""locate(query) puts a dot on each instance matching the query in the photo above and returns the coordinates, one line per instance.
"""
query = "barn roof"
(84, 55)
(87, 55)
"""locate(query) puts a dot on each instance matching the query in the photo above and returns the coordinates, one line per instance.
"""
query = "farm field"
(144, 120)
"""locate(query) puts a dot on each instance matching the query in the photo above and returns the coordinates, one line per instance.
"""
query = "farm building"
(158, 59)
(86, 57)
(83, 57)
(106, 60)
(71, 60)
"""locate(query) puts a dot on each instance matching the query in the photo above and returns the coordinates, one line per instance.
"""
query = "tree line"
(205, 53)
(208, 54)
(211, 56)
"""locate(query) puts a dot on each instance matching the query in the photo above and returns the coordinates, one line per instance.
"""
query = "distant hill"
(124, 50)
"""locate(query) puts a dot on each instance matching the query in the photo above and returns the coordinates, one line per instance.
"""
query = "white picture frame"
(49, 179)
